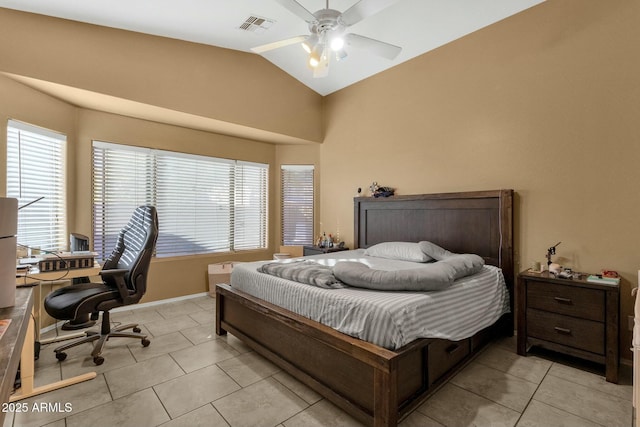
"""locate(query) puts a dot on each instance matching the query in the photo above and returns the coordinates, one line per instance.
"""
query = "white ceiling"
(418, 26)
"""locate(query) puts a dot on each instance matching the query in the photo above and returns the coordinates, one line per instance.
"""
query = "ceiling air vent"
(256, 24)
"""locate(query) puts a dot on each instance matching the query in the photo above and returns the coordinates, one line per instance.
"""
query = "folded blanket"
(429, 277)
(307, 272)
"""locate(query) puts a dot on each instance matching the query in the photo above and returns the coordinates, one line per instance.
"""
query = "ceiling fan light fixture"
(316, 55)
(341, 55)
(310, 43)
(337, 43)
(329, 34)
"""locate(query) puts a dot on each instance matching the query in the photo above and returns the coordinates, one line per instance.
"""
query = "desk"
(34, 279)
(53, 276)
(12, 341)
(21, 335)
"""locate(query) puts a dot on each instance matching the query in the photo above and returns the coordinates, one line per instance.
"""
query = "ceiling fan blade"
(377, 47)
(297, 9)
(363, 9)
(277, 45)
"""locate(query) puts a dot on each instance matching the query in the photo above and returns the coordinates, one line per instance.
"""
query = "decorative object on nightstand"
(571, 316)
(316, 250)
(607, 276)
(551, 251)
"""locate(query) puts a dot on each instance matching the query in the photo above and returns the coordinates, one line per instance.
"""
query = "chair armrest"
(114, 272)
(116, 277)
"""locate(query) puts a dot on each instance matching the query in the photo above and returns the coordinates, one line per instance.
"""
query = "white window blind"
(119, 186)
(35, 169)
(204, 204)
(194, 204)
(297, 204)
(250, 206)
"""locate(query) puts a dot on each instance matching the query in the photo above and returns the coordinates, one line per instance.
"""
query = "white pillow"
(403, 251)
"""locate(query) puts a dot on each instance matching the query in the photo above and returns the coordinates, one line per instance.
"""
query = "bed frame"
(375, 385)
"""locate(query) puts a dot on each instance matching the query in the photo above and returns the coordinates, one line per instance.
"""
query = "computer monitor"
(78, 242)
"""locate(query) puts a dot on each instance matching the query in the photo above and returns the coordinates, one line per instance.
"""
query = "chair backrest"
(134, 249)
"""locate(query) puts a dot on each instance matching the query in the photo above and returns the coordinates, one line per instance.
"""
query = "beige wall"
(222, 84)
(546, 102)
(24, 104)
(170, 277)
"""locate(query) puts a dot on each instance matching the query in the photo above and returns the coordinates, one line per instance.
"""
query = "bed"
(376, 385)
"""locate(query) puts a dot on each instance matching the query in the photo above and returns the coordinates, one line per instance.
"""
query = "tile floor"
(189, 377)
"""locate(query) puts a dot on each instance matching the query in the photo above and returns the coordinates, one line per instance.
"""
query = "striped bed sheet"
(388, 319)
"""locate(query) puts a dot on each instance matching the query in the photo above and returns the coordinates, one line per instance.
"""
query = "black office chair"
(124, 276)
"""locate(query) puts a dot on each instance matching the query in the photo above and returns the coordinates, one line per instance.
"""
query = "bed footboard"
(375, 385)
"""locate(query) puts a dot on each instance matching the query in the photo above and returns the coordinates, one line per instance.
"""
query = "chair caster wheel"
(98, 360)
(145, 342)
(137, 330)
(61, 356)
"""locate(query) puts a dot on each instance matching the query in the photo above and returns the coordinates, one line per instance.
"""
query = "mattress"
(387, 319)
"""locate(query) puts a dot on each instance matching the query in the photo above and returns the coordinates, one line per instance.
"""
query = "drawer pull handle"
(563, 300)
(452, 348)
(563, 331)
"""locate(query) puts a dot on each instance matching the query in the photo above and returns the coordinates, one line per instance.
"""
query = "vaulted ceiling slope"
(417, 26)
(189, 64)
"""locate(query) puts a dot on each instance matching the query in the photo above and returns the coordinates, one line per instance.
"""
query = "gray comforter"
(428, 277)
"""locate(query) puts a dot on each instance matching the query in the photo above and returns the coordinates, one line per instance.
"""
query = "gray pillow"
(403, 251)
(434, 251)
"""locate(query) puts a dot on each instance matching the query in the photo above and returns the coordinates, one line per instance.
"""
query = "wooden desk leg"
(38, 313)
(27, 371)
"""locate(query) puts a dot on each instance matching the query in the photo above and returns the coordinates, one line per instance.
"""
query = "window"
(250, 202)
(36, 170)
(205, 204)
(297, 205)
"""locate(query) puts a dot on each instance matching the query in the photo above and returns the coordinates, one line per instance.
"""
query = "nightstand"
(315, 250)
(570, 316)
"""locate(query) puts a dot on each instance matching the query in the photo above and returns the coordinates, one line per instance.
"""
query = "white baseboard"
(159, 302)
(133, 307)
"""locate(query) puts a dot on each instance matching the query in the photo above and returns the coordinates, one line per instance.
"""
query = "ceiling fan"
(328, 33)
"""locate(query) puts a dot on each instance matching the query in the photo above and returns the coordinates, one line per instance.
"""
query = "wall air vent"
(256, 24)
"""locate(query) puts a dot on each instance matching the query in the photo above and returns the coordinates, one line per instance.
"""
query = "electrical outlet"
(631, 322)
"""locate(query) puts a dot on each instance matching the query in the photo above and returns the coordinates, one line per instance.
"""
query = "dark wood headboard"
(479, 222)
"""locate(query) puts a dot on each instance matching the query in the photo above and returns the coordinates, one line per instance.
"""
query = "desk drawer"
(568, 300)
(443, 355)
(570, 331)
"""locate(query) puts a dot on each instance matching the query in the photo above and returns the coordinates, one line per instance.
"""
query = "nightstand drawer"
(568, 300)
(570, 331)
